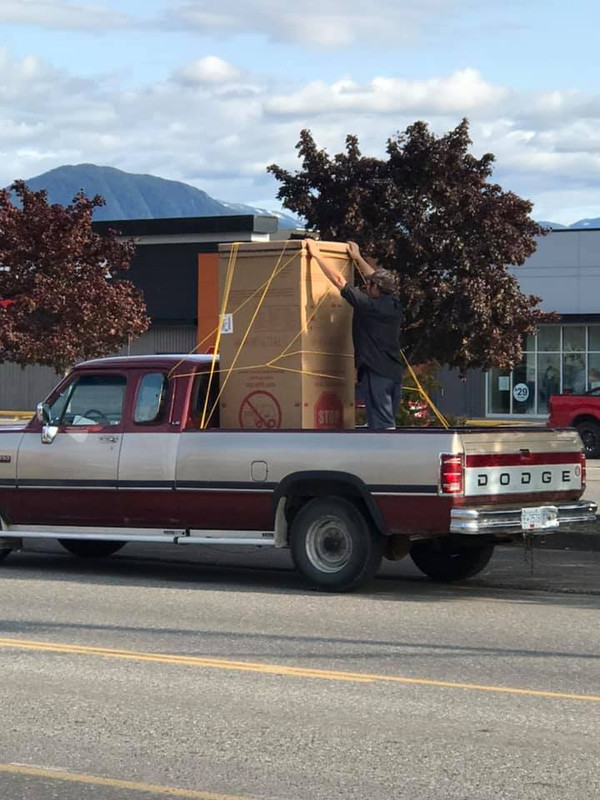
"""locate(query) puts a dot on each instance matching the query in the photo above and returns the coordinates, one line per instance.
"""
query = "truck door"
(73, 479)
(149, 452)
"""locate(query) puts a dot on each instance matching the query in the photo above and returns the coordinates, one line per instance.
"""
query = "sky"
(210, 93)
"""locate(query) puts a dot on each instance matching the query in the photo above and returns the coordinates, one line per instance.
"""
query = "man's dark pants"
(381, 397)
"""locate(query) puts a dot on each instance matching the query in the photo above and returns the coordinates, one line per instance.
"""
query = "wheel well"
(585, 418)
(300, 489)
(296, 501)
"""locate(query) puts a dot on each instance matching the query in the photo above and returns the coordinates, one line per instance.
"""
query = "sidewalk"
(15, 417)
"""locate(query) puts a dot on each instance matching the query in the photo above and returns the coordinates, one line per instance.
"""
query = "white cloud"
(326, 23)
(218, 129)
(209, 69)
(460, 93)
(60, 14)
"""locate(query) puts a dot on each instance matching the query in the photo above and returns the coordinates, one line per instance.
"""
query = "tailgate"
(522, 461)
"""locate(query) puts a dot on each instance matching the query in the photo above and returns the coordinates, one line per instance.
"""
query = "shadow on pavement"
(559, 578)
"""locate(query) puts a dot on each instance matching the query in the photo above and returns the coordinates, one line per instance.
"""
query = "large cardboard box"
(287, 336)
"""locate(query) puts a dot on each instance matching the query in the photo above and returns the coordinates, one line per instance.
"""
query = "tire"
(590, 436)
(88, 548)
(445, 561)
(333, 545)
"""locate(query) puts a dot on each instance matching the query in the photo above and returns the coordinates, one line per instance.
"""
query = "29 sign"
(521, 392)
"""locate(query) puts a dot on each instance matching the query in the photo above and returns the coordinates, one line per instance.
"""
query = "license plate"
(541, 518)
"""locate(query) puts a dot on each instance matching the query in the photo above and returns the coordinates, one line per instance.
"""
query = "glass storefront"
(561, 358)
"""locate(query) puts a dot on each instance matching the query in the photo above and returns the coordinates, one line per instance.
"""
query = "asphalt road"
(196, 676)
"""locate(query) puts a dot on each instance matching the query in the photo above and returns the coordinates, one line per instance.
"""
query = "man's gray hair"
(386, 280)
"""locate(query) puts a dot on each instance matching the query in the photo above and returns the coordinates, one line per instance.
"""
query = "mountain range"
(581, 223)
(131, 196)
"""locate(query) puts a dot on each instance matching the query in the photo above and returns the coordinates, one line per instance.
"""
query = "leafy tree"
(429, 211)
(63, 299)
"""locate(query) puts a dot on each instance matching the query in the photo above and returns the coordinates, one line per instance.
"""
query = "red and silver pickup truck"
(116, 455)
(581, 411)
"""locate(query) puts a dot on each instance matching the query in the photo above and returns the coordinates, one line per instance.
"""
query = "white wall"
(565, 272)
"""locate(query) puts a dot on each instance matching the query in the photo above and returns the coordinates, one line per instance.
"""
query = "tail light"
(583, 470)
(451, 474)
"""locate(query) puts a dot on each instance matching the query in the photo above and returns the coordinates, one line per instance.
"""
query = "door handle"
(111, 439)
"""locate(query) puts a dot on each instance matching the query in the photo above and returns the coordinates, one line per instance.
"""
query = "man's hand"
(313, 248)
(354, 255)
(353, 251)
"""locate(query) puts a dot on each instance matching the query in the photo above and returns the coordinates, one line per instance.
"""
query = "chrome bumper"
(508, 520)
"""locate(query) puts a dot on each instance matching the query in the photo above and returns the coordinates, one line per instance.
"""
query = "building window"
(561, 358)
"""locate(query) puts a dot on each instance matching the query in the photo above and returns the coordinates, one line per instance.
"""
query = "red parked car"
(581, 411)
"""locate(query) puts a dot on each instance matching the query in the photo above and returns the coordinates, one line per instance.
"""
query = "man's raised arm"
(330, 272)
(363, 266)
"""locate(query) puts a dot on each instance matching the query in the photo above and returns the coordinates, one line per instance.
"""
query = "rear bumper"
(489, 519)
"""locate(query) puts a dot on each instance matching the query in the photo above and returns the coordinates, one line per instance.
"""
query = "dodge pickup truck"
(116, 454)
(581, 411)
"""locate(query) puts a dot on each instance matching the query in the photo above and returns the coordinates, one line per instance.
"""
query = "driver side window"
(91, 400)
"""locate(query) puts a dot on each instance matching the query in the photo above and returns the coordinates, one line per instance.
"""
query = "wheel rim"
(328, 544)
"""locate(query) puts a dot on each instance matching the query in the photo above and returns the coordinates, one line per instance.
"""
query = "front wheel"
(88, 548)
(589, 431)
(333, 546)
(443, 560)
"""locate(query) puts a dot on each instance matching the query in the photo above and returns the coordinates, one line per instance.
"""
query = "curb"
(582, 540)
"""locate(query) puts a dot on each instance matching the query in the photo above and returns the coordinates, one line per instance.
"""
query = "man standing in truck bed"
(376, 328)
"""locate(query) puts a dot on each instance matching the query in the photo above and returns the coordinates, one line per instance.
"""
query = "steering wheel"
(99, 416)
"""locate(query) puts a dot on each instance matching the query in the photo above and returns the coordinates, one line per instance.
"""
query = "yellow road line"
(113, 783)
(281, 670)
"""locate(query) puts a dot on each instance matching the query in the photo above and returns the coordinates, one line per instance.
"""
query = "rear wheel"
(590, 436)
(88, 548)
(333, 546)
(444, 560)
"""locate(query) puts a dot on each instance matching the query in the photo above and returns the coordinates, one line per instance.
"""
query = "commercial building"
(564, 356)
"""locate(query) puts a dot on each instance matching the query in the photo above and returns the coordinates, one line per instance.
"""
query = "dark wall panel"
(461, 398)
(167, 274)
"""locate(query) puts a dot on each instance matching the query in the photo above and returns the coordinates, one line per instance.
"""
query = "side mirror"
(43, 415)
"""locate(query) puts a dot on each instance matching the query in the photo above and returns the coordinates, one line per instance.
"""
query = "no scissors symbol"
(260, 410)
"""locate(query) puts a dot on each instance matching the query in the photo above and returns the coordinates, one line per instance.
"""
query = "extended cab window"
(151, 396)
(91, 400)
(198, 402)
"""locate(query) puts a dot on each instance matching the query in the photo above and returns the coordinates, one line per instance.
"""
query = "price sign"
(521, 392)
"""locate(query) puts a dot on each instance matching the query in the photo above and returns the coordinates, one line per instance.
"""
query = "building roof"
(177, 226)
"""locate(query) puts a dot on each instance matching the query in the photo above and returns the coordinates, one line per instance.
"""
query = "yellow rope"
(247, 333)
(303, 329)
(312, 353)
(215, 330)
(442, 420)
(228, 281)
(304, 372)
(246, 301)
(284, 353)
